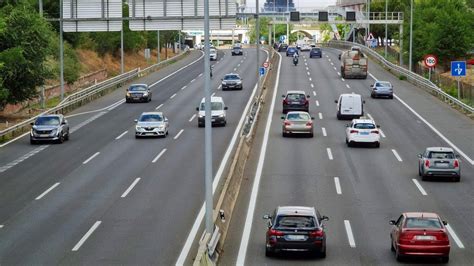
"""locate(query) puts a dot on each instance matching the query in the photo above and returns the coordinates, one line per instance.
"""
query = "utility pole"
(41, 7)
(257, 33)
(368, 13)
(411, 37)
(122, 68)
(288, 22)
(386, 28)
(158, 53)
(61, 48)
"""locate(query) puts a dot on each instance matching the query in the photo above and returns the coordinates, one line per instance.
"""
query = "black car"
(138, 93)
(231, 81)
(282, 47)
(295, 228)
(295, 101)
(49, 128)
(315, 52)
(237, 50)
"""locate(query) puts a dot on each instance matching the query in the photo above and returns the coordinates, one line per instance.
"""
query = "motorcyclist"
(295, 58)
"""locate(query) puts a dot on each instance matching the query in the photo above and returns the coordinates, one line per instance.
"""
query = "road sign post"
(458, 70)
(430, 61)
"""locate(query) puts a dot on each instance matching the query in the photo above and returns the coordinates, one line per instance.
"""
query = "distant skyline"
(299, 3)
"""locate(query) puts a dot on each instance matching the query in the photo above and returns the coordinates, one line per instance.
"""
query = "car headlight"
(224, 83)
(221, 116)
(54, 132)
(128, 94)
(145, 94)
(201, 116)
(239, 82)
(138, 128)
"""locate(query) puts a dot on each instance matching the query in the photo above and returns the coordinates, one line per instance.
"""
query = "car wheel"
(67, 136)
(33, 142)
(398, 256)
(283, 134)
(423, 177)
(445, 259)
(137, 137)
(61, 138)
(372, 95)
(391, 245)
(457, 178)
(200, 125)
(419, 171)
(339, 117)
(349, 144)
(149, 99)
(127, 101)
(310, 56)
(268, 252)
(377, 144)
(390, 97)
(311, 135)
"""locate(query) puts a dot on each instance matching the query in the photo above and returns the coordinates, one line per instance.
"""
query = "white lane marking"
(396, 155)
(130, 187)
(454, 236)
(212, 95)
(15, 139)
(307, 68)
(347, 85)
(317, 103)
(258, 176)
(310, 79)
(320, 116)
(184, 87)
(332, 64)
(83, 123)
(420, 188)
(22, 158)
(308, 73)
(1, 226)
(312, 85)
(329, 59)
(432, 127)
(338, 185)
(305, 63)
(338, 73)
(90, 158)
(192, 117)
(314, 93)
(241, 61)
(190, 64)
(121, 135)
(192, 80)
(159, 155)
(335, 68)
(86, 236)
(381, 133)
(238, 65)
(343, 79)
(47, 191)
(220, 87)
(329, 153)
(172, 96)
(235, 69)
(113, 106)
(324, 132)
(179, 134)
(350, 236)
(200, 75)
(159, 106)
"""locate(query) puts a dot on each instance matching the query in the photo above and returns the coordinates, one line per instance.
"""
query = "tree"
(25, 41)
(280, 30)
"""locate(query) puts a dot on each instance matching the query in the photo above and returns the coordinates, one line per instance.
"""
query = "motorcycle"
(295, 60)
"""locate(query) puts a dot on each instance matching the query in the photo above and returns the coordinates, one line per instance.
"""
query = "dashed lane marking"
(47, 191)
(350, 236)
(130, 187)
(90, 158)
(324, 132)
(329, 153)
(159, 156)
(86, 236)
(420, 188)
(179, 134)
(121, 135)
(338, 185)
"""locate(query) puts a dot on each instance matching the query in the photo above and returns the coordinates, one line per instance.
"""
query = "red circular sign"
(430, 60)
(265, 65)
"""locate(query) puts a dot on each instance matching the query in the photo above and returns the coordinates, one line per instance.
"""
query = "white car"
(363, 130)
(213, 54)
(151, 124)
(305, 47)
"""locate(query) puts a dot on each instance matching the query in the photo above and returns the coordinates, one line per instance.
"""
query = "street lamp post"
(386, 28)
(288, 22)
(411, 37)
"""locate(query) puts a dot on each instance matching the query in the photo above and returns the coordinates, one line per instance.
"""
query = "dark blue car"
(315, 52)
(291, 51)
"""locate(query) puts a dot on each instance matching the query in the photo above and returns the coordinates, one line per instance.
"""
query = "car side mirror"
(335, 101)
(282, 117)
(324, 218)
(378, 126)
(392, 222)
(32, 123)
(266, 217)
(308, 96)
(166, 119)
(136, 120)
(283, 95)
(347, 125)
(64, 123)
(363, 101)
(225, 108)
(197, 108)
(371, 86)
(445, 223)
(419, 155)
(312, 118)
(458, 156)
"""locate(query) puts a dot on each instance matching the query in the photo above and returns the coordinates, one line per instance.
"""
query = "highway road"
(104, 197)
(360, 189)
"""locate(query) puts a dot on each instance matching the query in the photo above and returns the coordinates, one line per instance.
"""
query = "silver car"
(49, 128)
(439, 161)
(381, 89)
(297, 123)
(151, 124)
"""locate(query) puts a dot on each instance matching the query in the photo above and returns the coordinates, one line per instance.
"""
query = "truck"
(354, 64)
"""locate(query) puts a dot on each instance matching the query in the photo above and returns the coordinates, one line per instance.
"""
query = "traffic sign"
(262, 71)
(430, 60)
(458, 68)
(265, 64)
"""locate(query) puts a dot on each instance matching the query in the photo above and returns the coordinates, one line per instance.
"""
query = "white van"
(350, 106)
(213, 54)
(218, 112)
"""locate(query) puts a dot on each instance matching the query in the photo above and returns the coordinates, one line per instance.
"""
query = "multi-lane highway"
(359, 189)
(104, 197)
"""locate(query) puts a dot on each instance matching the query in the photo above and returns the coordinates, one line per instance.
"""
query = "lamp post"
(288, 22)
(411, 37)
(386, 28)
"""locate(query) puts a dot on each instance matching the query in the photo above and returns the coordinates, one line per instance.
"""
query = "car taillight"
(316, 233)
(287, 123)
(406, 236)
(285, 101)
(353, 131)
(306, 102)
(427, 163)
(273, 232)
(308, 124)
(456, 163)
(374, 131)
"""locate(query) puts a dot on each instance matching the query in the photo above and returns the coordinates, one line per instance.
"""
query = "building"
(278, 6)
(357, 5)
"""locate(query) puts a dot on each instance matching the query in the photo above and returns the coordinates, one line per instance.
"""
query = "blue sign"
(282, 38)
(458, 68)
(262, 71)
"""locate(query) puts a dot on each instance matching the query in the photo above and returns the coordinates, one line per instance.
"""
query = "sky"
(301, 3)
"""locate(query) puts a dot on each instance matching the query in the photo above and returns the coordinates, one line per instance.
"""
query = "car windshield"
(441, 155)
(295, 97)
(137, 88)
(291, 49)
(285, 221)
(47, 121)
(215, 106)
(364, 126)
(298, 116)
(423, 223)
(236, 47)
(231, 77)
(151, 118)
(383, 84)
(212, 51)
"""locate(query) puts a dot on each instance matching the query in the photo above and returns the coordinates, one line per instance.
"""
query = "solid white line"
(314, 92)
(47, 191)
(130, 187)
(312, 85)
(324, 132)
(258, 175)
(396, 155)
(86, 236)
(347, 85)
(192, 117)
(159, 106)
(159, 155)
(317, 103)
(172, 96)
(338, 185)
(432, 127)
(420, 188)
(90, 158)
(184, 87)
(350, 236)
(121, 135)
(15, 139)
(190, 64)
(179, 133)
(454, 236)
(320, 116)
(329, 153)
(115, 105)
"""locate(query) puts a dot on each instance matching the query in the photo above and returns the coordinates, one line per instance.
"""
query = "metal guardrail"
(411, 76)
(87, 93)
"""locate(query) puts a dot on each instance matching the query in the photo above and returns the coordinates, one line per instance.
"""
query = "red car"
(420, 234)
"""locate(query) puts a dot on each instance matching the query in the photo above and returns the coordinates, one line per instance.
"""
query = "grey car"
(151, 124)
(439, 161)
(231, 81)
(297, 123)
(138, 93)
(49, 128)
(381, 89)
